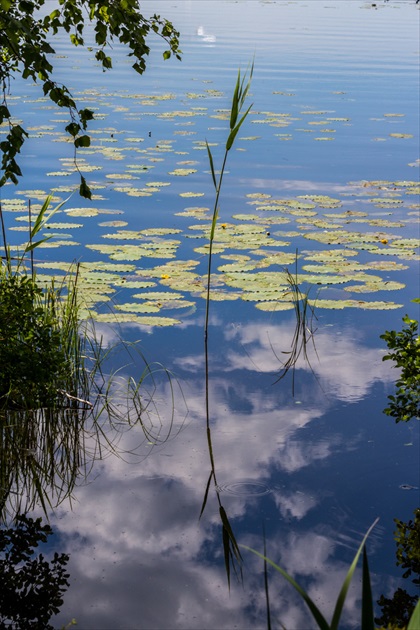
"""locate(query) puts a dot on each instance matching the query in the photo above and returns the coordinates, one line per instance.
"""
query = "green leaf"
(235, 102)
(84, 189)
(206, 493)
(82, 141)
(316, 613)
(346, 584)
(234, 131)
(414, 623)
(367, 607)
(211, 165)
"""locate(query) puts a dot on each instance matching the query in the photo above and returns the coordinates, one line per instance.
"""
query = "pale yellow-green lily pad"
(372, 287)
(406, 243)
(275, 306)
(113, 224)
(182, 172)
(53, 244)
(159, 296)
(401, 135)
(138, 307)
(221, 296)
(135, 284)
(340, 304)
(82, 212)
(63, 226)
(138, 319)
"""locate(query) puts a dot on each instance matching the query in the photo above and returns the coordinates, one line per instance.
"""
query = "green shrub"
(405, 347)
(33, 350)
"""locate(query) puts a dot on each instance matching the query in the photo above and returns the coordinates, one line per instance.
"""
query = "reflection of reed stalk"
(231, 550)
(304, 332)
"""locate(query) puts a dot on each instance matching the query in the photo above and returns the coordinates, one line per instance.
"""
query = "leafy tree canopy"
(404, 346)
(25, 49)
(32, 588)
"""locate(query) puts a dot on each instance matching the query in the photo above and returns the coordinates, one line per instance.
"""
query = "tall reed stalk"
(232, 554)
(237, 118)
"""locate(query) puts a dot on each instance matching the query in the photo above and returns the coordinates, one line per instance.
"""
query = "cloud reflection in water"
(141, 558)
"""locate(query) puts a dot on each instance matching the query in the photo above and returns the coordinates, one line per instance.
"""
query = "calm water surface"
(314, 468)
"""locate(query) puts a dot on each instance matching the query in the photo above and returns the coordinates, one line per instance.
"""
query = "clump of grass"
(59, 409)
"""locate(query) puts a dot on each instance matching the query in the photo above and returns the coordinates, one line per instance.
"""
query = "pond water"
(326, 164)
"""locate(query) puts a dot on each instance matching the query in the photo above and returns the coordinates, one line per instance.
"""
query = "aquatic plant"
(235, 122)
(304, 331)
(232, 554)
(59, 409)
(405, 351)
(367, 621)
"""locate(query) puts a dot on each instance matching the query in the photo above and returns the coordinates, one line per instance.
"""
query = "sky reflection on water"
(328, 458)
(139, 554)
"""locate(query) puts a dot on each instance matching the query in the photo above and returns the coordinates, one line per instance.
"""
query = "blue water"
(317, 467)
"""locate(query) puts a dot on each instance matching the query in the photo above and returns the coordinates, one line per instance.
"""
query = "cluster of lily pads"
(348, 250)
(347, 246)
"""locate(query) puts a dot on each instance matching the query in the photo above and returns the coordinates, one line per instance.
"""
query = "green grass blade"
(414, 623)
(234, 131)
(31, 246)
(230, 533)
(235, 102)
(316, 613)
(346, 584)
(231, 550)
(41, 219)
(367, 606)
(213, 174)
(267, 593)
(206, 494)
(226, 553)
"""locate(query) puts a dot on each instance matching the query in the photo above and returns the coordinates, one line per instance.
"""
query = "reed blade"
(414, 623)
(367, 607)
(316, 613)
(346, 584)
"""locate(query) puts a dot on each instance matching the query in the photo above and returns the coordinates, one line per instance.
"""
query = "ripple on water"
(245, 488)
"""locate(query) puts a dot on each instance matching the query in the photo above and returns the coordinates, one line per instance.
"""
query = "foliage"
(32, 347)
(55, 398)
(407, 536)
(26, 49)
(367, 621)
(32, 588)
(37, 334)
(396, 611)
(405, 351)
